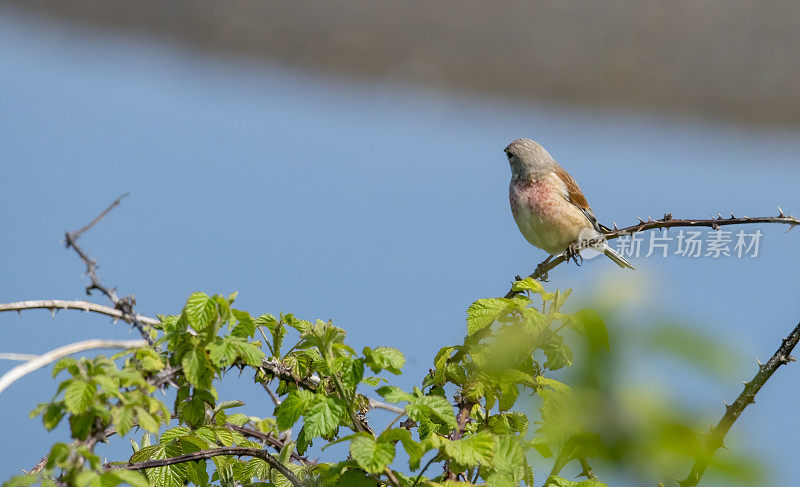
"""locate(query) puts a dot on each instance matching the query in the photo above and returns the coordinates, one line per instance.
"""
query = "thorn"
(53, 312)
(719, 216)
(640, 220)
(732, 217)
(758, 362)
(615, 226)
(780, 210)
(649, 218)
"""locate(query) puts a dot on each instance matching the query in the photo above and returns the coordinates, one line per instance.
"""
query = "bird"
(550, 210)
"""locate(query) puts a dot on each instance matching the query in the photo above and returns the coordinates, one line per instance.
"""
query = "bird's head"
(528, 159)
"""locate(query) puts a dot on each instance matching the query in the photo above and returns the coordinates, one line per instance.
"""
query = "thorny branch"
(715, 438)
(210, 453)
(58, 304)
(124, 304)
(47, 358)
(540, 273)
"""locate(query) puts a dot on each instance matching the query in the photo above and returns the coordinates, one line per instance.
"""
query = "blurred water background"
(373, 201)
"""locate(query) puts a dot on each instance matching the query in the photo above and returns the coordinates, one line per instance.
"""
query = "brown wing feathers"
(576, 197)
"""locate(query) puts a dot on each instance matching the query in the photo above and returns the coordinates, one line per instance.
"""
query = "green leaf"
(78, 396)
(201, 310)
(66, 363)
(394, 394)
(434, 408)
(560, 482)
(146, 420)
(509, 458)
(246, 327)
(130, 477)
(589, 323)
(323, 416)
(292, 408)
(197, 368)
(411, 447)
(249, 353)
(527, 284)
(124, 419)
(222, 352)
(53, 414)
(373, 456)
(558, 354)
(484, 312)
(476, 449)
(194, 411)
(384, 358)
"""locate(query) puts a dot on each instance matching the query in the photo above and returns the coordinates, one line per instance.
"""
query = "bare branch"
(714, 441)
(58, 304)
(237, 451)
(21, 370)
(99, 217)
(22, 357)
(124, 304)
(373, 404)
(666, 222)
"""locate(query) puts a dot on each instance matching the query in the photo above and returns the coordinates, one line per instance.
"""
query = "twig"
(373, 404)
(22, 357)
(99, 217)
(23, 369)
(586, 470)
(124, 304)
(416, 481)
(666, 222)
(465, 408)
(715, 438)
(58, 304)
(269, 439)
(237, 451)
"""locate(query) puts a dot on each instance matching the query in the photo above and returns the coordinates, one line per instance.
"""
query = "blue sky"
(376, 205)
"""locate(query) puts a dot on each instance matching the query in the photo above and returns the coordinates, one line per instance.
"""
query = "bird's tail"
(618, 259)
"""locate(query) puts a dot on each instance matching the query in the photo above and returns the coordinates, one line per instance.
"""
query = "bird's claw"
(573, 252)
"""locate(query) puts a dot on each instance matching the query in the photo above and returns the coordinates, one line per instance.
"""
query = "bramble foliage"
(465, 424)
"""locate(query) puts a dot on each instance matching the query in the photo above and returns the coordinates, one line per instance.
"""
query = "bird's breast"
(544, 216)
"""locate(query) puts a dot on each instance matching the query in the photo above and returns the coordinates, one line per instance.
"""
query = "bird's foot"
(573, 253)
(540, 273)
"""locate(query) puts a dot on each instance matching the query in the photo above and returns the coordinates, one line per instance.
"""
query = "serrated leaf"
(135, 479)
(527, 284)
(484, 312)
(558, 354)
(474, 450)
(146, 420)
(434, 407)
(412, 448)
(197, 368)
(249, 353)
(384, 358)
(246, 327)
(78, 396)
(124, 419)
(292, 408)
(173, 433)
(394, 394)
(323, 416)
(65, 363)
(373, 456)
(201, 311)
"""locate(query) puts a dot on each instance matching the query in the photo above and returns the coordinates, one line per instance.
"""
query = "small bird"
(549, 208)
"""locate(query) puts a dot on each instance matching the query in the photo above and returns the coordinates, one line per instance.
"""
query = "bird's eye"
(508, 154)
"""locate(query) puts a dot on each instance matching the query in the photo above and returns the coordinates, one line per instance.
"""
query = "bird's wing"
(576, 197)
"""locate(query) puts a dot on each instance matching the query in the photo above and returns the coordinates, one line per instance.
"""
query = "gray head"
(528, 159)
